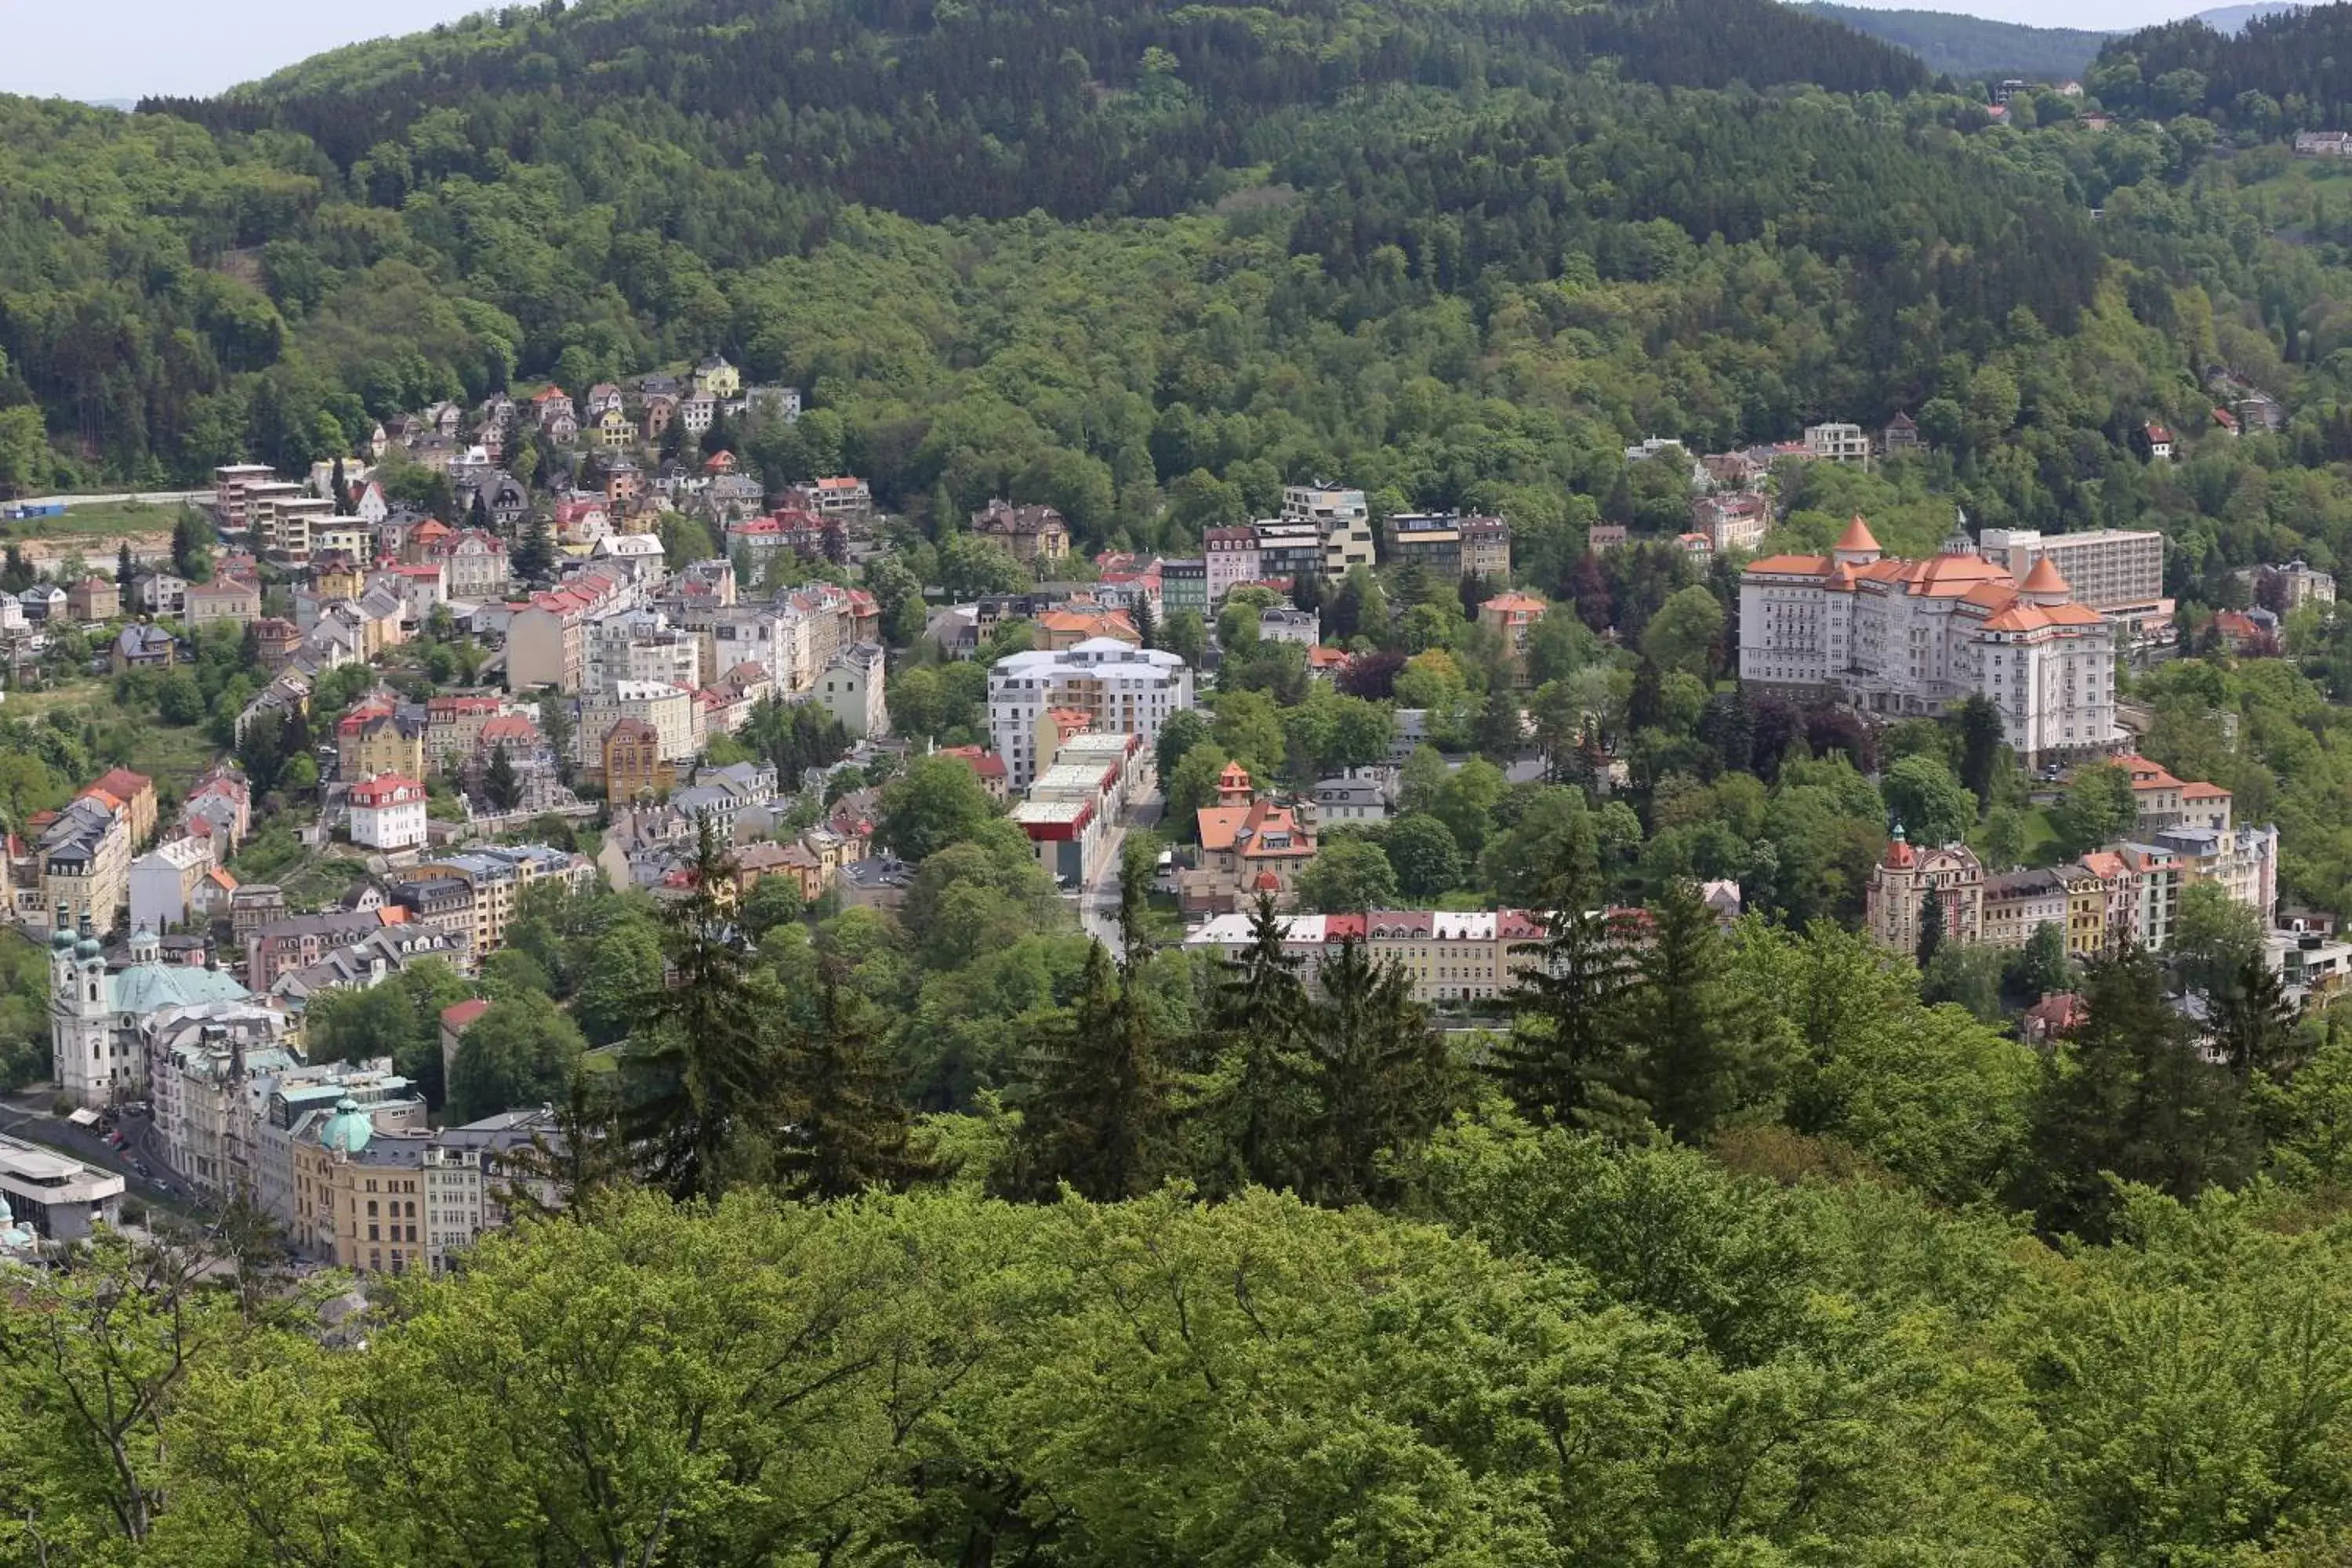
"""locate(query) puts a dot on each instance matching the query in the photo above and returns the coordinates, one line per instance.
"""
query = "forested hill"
(1972, 47)
(1000, 107)
(2290, 71)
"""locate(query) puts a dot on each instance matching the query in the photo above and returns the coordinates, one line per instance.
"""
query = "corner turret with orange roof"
(1857, 546)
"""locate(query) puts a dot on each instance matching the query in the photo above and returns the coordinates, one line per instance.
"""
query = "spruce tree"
(534, 553)
(573, 1163)
(1147, 623)
(1382, 1074)
(846, 1127)
(124, 570)
(2253, 1022)
(699, 1067)
(342, 490)
(498, 781)
(1255, 1102)
(1698, 1035)
(2131, 1097)
(1567, 1054)
(1931, 928)
(1101, 1114)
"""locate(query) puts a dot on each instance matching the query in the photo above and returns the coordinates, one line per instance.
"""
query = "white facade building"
(2117, 571)
(1123, 691)
(388, 812)
(164, 880)
(1913, 637)
(852, 689)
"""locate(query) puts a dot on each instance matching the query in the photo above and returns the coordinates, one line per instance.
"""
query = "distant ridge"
(1973, 47)
(2234, 18)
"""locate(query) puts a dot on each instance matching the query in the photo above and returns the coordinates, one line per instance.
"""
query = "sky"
(99, 49)
(2115, 15)
(127, 48)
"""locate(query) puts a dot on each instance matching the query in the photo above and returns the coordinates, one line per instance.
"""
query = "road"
(144, 498)
(1098, 902)
(38, 1126)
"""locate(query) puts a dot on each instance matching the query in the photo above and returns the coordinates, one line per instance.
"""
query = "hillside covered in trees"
(1972, 47)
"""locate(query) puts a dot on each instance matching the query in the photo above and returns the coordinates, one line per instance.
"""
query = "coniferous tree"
(568, 1166)
(697, 1068)
(1146, 623)
(124, 570)
(1567, 1052)
(478, 512)
(1699, 1035)
(2254, 1022)
(1931, 928)
(498, 781)
(1255, 1102)
(1981, 741)
(2131, 1096)
(846, 1127)
(1380, 1072)
(342, 490)
(1499, 733)
(534, 552)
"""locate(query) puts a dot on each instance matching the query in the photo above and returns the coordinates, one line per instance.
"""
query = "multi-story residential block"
(376, 737)
(852, 689)
(1903, 880)
(1913, 637)
(2019, 903)
(1287, 551)
(1837, 443)
(1514, 617)
(1231, 559)
(84, 859)
(277, 947)
(1035, 535)
(670, 709)
(2283, 588)
(475, 894)
(230, 599)
(1117, 688)
(387, 812)
(1342, 521)
(1184, 585)
(1471, 957)
(2117, 571)
(166, 883)
(379, 1199)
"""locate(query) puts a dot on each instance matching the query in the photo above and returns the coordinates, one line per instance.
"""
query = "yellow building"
(2086, 910)
(339, 579)
(615, 432)
(717, 377)
(371, 738)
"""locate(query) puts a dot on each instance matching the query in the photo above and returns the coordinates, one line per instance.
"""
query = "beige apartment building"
(2117, 571)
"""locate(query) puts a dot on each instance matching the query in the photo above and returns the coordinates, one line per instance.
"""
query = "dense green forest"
(2287, 70)
(1972, 48)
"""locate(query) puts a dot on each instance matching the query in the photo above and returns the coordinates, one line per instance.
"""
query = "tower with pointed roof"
(1857, 546)
(1913, 638)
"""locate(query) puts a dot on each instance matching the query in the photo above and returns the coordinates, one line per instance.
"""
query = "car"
(139, 1166)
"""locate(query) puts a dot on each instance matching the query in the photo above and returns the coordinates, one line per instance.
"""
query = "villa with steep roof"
(1911, 638)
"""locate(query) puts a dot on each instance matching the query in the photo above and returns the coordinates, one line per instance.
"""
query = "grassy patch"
(104, 520)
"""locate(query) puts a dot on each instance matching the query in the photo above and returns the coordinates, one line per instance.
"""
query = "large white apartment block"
(2117, 571)
(1913, 637)
(1122, 691)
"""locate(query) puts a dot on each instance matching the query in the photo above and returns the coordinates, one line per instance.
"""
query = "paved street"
(1098, 902)
(144, 498)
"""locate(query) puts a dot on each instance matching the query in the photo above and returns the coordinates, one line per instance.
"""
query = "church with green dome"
(95, 1011)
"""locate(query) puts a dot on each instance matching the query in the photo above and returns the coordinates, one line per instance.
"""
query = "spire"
(1958, 543)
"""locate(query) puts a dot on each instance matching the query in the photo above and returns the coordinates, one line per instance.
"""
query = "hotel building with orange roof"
(1910, 638)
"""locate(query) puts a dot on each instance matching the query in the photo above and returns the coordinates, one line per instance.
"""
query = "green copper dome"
(88, 947)
(348, 1129)
(61, 940)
